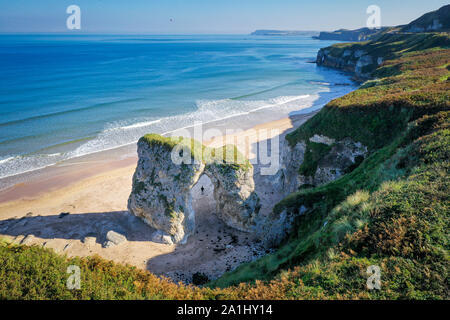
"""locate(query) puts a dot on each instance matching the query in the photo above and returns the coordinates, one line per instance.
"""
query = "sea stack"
(161, 193)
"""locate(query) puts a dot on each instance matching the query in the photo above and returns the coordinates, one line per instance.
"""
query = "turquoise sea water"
(66, 96)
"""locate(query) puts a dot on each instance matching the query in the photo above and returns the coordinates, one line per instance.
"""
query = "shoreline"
(79, 170)
(33, 183)
(242, 121)
(71, 211)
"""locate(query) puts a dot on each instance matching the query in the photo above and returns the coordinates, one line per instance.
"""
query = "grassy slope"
(392, 211)
(388, 115)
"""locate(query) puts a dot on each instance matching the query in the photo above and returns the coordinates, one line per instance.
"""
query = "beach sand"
(94, 191)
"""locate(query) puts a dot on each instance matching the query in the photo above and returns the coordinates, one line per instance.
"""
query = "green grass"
(227, 156)
(397, 198)
(313, 153)
(380, 110)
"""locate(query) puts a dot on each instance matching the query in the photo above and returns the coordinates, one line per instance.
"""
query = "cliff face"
(362, 34)
(284, 33)
(354, 60)
(362, 59)
(234, 191)
(435, 21)
(328, 159)
(317, 161)
(161, 193)
(307, 164)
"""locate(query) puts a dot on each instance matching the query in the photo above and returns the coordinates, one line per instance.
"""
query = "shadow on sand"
(78, 226)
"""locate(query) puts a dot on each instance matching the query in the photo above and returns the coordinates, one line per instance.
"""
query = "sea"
(67, 96)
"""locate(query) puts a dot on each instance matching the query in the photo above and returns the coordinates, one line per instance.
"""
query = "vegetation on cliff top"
(227, 157)
(404, 90)
(439, 19)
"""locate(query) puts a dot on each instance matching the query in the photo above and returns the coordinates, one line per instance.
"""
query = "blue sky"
(204, 16)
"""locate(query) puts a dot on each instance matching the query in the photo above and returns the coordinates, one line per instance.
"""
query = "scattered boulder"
(28, 239)
(162, 237)
(113, 239)
(108, 244)
(19, 238)
(90, 240)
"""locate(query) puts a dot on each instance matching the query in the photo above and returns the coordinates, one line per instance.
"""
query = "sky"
(204, 16)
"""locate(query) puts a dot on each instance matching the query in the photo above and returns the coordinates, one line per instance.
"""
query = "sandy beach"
(71, 207)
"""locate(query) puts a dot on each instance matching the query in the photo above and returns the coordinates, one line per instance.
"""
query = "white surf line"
(59, 163)
(241, 113)
(140, 124)
(7, 159)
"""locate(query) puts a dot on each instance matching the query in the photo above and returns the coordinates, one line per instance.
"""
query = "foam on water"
(117, 135)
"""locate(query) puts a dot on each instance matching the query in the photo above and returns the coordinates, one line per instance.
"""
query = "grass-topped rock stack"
(161, 193)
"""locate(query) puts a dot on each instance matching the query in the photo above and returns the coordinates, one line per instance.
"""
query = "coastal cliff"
(435, 21)
(393, 132)
(284, 33)
(362, 34)
(362, 59)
